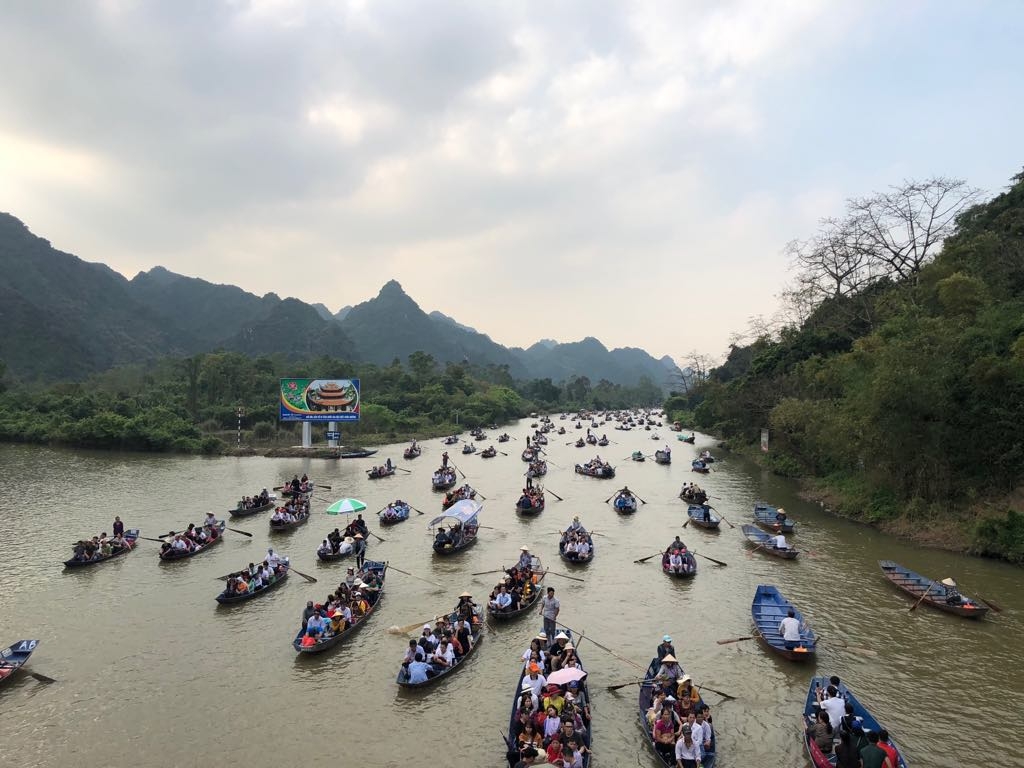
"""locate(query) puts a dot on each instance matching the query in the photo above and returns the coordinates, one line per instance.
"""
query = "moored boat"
(462, 528)
(943, 595)
(373, 598)
(692, 494)
(772, 519)
(230, 596)
(765, 542)
(702, 516)
(866, 720)
(168, 552)
(394, 513)
(130, 537)
(468, 448)
(14, 657)
(768, 609)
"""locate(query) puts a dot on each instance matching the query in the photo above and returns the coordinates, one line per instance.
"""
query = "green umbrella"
(345, 507)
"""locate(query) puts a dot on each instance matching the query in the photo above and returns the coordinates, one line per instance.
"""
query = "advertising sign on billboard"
(319, 399)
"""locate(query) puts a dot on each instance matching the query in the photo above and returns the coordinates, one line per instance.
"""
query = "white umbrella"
(566, 675)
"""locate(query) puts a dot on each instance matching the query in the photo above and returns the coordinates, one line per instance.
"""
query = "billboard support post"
(332, 427)
(307, 434)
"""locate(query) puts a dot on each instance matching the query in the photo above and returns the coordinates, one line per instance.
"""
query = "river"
(152, 672)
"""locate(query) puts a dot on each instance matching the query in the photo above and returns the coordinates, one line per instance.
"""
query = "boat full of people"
(625, 502)
(395, 512)
(444, 478)
(577, 544)
(289, 517)
(531, 501)
(443, 648)
(253, 505)
(256, 580)
(193, 540)
(519, 590)
(325, 625)
(99, 549)
(602, 470)
(692, 493)
(835, 722)
(672, 713)
(677, 561)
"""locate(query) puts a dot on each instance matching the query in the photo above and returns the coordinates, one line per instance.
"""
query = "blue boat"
(867, 722)
(702, 516)
(625, 504)
(768, 609)
(380, 569)
(394, 513)
(765, 542)
(699, 466)
(772, 519)
(15, 657)
(647, 692)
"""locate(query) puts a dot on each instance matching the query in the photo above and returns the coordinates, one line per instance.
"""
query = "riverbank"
(989, 527)
(370, 441)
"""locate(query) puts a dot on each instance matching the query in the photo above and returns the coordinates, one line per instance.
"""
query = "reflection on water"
(146, 659)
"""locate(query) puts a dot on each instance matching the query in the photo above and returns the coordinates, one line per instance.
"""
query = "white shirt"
(583, 548)
(701, 733)
(780, 542)
(448, 654)
(536, 685)
(503, 600)
(273, 559)
(684, 752)
(836, 708)
(789, 627)
(675, 560)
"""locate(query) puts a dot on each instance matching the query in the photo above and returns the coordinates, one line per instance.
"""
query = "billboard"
(319, 399)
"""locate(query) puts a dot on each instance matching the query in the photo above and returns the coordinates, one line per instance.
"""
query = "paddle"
(564, 575)
(158, 541)
(413, 575)
(914, 606)
(415, 510)
(236, 530)
(503, 453)
(307, 577)
(548, 490)
(480, 495)
(720, 514)
(638, 681)
(641, 500)
(375, 536)
(610, 498)
(645, 559)
(42, 678)
(737, 639)
(459, 471)
(716, 562)
(486, 573)
(394, 630)
(720, 693)
(990, 604)
(402, 469)
(604, 648)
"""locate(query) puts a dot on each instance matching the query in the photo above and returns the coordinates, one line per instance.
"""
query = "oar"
(737, 639)
(415, 510)
(413, 575)
(914, 606)
(645, 559)
(686, 523)
(480, 495)
(990, 604)
(604, 648)
(459, 471)
(321, 485)
(548, 490)
(641, 500)
(610, 498)
(503, 453)
(402, 469)
(720, 693)
(236, 530)
(716, 562)
(638, 681)
(378, 538)
(393, 630)
(307, 577)
(42, 678)
(564, 575)
(486, 573)
(158, 541)
(720, 514)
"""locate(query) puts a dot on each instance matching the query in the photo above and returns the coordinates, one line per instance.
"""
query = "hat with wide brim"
(524, 548)
(669, 658)
(465, 594)
(948, 582)
(561, 636)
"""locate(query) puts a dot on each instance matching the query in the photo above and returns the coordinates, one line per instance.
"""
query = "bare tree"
(900, 230)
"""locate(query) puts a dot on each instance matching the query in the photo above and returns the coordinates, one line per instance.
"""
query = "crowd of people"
(458, 494)
(518, 588)
(442, 646)
(296, 508)
(835, 729)
(678, 559)
(354, 598)
(598, 467)
(256, 500)
(693, 494)
(576, 543)
(192, 539)
(680, 722)
(257, 576)
(532, 497)
(103, 546)
(444, 476)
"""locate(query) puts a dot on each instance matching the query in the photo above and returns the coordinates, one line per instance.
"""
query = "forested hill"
(902, 391)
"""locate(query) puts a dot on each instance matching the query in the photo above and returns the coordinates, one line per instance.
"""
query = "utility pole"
(240, 412)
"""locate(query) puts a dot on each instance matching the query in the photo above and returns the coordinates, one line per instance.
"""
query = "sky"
(625, 170)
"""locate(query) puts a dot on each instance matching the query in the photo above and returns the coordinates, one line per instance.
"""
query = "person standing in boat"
(549, 609)
(387, 464)
(118, 526)
(360, 550)
(444, 460)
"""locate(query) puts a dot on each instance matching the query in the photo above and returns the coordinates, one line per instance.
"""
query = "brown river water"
(152, 672)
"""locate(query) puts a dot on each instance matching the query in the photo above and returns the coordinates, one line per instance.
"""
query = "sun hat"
(666, 639)
(542, 635)
(570, 647)
(563, 636)
(669, 658)
(359, 535)
(426, 627)
(526, 687)
(948, 582)
(524, 548)
(465, 594)
(684, 679)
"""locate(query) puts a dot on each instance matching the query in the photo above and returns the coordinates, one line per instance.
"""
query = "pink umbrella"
(566, 675)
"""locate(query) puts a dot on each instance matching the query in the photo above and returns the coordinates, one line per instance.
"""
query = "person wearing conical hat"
(669, 671)
(525, 558)
(953, 596)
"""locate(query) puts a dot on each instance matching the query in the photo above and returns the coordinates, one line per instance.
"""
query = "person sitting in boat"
(779, 541)
(441, 538)
(780, 517)
(669, 671)
(953, 596)
(273, 559)
(325, 548)
(525, 558)
(278, 516)
(675, 562)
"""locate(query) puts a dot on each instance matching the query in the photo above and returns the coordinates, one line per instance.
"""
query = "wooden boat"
(638, 456)
(539, 468)
(344, 551)
(624, 504)
(689, 564)
(378, 472)
(357, 454)
(504, 439)
(373, 597)
(280, 526)
(130, 536)
(765, 516)
(691, 439)
(706, 457)
(451, 440)
(403, 675)
(528, 455)
(241, 511)
(539, 439)
(488, 453)
(763, 542)
(173, 554)
(444, 479)
(696, 513)
(526, 605)
(605, 472)
(663, 457)
(577, 560)
(867, 721)
(582, 697)
(693, 497)
(603, 442)
(393, 514)
(591, 439)
(646, 701)
(459, 494)
(530, 507)
(699, 466)
(561, 430)
(768, 608)
(14, 657)
(468, 448)
(581, 443)
(412, 452)
(916, 585)
(241, 597)
(463, 517)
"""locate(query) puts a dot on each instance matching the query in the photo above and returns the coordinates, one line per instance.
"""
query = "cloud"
(603, 158)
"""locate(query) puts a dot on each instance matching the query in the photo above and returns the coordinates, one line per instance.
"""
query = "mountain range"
(66, 318)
